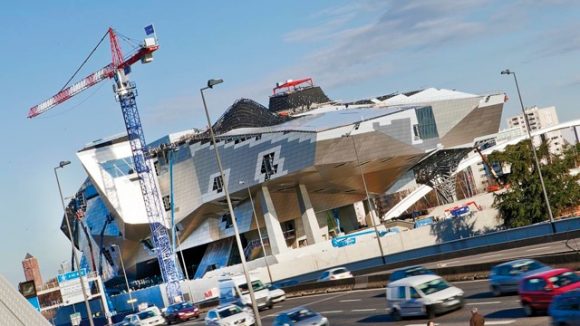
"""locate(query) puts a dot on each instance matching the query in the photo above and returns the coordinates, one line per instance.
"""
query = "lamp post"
(371, 209)
(125, 275)
(210, 84)
(509, 72)
(76, 256)
(259, 232)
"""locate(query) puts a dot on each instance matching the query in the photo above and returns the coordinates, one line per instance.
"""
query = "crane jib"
(76, 88)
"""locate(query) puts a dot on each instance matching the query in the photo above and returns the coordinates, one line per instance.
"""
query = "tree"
(523, 203)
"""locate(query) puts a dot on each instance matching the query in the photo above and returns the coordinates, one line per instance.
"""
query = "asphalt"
(367, 307)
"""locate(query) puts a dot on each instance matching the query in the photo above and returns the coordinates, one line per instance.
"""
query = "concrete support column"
(311, 227)
(359, 210)
(275, 235)
(372, 216)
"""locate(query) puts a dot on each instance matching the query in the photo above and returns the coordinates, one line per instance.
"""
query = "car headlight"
(429, 301)
(324, 321)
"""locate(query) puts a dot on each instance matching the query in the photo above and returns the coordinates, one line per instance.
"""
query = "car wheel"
(396, 314)
(528, 309)
(496, 290)
(430, 312)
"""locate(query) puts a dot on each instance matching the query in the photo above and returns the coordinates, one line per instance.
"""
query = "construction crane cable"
(85, 61)
(130, 41)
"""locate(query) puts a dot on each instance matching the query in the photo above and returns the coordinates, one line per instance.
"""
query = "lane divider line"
(482, 303)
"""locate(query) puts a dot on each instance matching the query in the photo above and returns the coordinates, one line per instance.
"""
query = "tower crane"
(125, 93)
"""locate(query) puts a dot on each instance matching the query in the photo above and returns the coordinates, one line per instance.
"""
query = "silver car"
(300, 316)
(505, 277)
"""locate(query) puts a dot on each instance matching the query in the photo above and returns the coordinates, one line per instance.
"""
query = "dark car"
(409, 271)
(506, 277)
(182, 311)
(565, 309)
(538, 290)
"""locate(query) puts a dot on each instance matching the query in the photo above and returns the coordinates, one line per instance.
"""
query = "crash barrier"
(455, 273)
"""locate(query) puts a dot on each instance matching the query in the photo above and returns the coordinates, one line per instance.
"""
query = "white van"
(422, 295)
(234, 289)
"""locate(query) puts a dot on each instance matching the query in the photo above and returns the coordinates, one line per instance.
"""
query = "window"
(534, 284)
(427, 128)
(401, 293)
(212, 314)
(339, 271)
(156, 166)
(227, 219)
(524, 267)
(564, 279)
(414, 293)
(166, 203)
(268, 167)
(218, 184)
(433, 286)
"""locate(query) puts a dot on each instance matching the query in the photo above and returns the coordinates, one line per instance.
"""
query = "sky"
(352, 49)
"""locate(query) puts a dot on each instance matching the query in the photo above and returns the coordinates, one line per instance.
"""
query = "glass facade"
(426, 128)
(119, 167)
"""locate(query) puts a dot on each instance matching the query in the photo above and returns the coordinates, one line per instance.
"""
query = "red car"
(538, 290)
(179, 312)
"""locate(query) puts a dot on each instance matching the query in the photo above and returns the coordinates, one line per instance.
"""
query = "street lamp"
(259, 232)
(125, 274)
(371, 208)
(509, 72)
(76, 256)
(210, 84)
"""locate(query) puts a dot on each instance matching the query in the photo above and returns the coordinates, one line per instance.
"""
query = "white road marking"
(331, 312)
(350, 300)
(482, 303)
(363, 310)
(541, 248)
(500, 322)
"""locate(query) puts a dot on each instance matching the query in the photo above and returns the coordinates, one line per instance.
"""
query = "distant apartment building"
(32, 270)
(540, 118)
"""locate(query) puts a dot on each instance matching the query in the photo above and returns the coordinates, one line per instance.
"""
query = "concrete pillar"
(359, 210)
(309, 221)
(372, 216)
(275, 235)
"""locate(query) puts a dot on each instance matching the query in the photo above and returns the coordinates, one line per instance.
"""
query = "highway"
(367, 307)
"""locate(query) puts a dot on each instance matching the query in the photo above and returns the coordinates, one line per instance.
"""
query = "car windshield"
(179, 306)
(526, 266)
(256, 286)
(564, 279)
(339, 271)
(301, 314)
(419, 270)
(433, 286)
(146, 314)
(229, 311)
